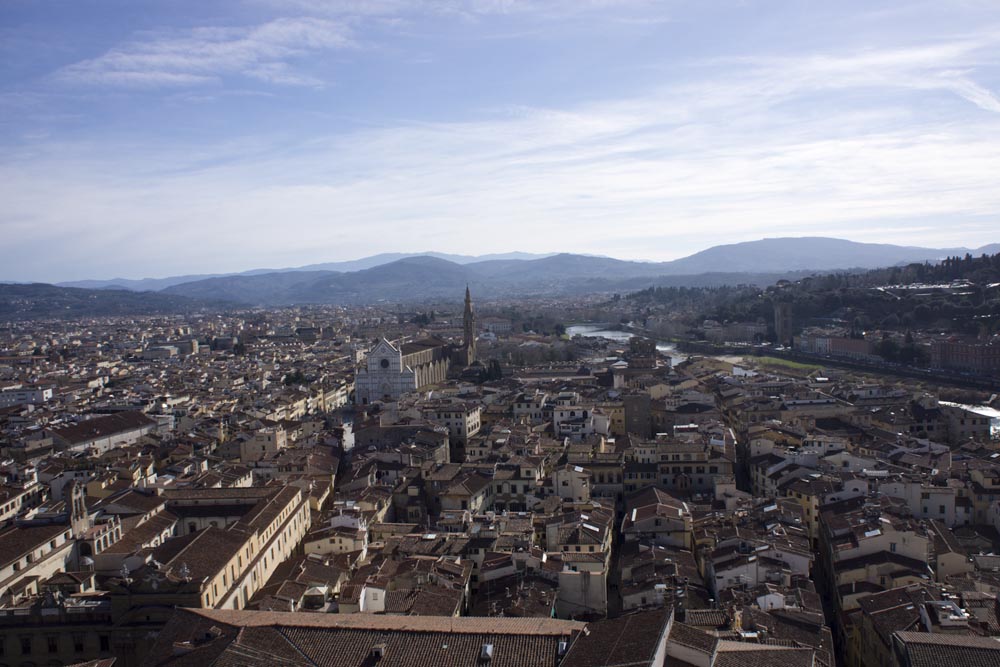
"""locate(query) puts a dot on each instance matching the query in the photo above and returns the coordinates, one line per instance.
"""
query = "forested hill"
(41, 301)
(959, 294)
(983, 270)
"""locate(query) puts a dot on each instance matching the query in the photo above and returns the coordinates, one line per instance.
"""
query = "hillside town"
(357, 486)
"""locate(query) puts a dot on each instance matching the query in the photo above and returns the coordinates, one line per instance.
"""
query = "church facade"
(392, 370)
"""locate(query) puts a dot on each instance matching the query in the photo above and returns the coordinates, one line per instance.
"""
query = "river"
(595, 331)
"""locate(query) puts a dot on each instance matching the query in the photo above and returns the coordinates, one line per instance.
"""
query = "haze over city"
(192, 137)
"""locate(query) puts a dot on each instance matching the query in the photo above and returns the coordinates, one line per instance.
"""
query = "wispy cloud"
(465, 8)
(898, 143)
(202, 55)
(947, 65)
(970, 90)
(655, 176)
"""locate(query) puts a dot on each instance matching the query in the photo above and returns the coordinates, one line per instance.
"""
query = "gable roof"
(220, 638)
(102, 427)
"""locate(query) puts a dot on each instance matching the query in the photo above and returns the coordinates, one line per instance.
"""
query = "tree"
(888, 349)
(295, 378)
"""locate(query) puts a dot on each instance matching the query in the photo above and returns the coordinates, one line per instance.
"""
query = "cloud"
(946, 65)
(470, 9)
(203, 55)
(893, 144)
(281, 73)
(983, 98)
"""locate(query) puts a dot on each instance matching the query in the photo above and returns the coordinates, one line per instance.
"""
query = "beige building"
(216, 567)
(866, 551)
(263, 444)
(463, 420)
(572, 483)
(655, 517)
(581, 541)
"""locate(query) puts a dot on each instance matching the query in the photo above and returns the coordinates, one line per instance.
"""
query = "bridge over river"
(606, 330)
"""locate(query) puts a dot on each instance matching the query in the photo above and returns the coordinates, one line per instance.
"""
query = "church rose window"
(385, 363)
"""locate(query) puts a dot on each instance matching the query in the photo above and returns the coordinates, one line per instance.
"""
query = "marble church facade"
(391, 370)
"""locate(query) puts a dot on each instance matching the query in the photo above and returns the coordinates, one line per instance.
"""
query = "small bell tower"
(79, 520)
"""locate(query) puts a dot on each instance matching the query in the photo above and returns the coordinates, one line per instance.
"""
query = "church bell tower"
(469, 330)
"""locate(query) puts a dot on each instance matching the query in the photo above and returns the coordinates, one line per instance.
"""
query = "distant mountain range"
(401, 278)
(416, 279)
(767, 256)
(814, 254)
(156, 284)
(426, 276)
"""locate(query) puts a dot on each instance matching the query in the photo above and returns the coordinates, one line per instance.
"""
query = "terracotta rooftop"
(199, 637)
(462, 625)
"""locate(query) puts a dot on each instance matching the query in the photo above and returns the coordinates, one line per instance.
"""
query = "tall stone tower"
(783, 323)
(469, 331)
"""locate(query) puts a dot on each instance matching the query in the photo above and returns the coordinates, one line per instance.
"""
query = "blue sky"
(150, 138)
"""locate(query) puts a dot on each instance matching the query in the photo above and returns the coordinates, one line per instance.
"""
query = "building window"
(105, 643)
(25, 645)
(53, 644)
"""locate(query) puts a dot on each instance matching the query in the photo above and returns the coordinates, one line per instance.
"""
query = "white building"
(21, 396)
(390, 371)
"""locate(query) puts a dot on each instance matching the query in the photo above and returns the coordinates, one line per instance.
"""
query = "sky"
(147, 138)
